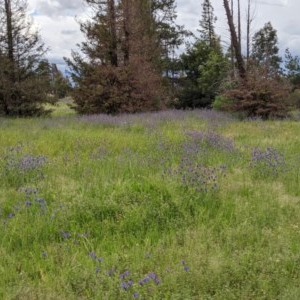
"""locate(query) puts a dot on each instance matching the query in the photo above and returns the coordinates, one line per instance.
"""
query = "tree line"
(129, 63)
(27, 80)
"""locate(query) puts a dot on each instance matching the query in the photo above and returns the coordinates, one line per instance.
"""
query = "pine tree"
(204, 65)
(169, 34)
(22, 89)
(207, 24)
(122, 67)
(59, 84)
(203, 68)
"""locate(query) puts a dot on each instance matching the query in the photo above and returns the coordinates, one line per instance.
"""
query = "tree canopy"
(129, 62)
(22, 89)
(128, 43)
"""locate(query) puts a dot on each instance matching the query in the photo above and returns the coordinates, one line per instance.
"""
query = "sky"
(58, 26)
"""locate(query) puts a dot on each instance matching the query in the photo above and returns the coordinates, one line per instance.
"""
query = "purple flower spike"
(28, 203)
(111, 272)
(124, 286)
(186, 268)
(152, 275)
(130, 283)
(65, 235)
(123, 275)
(11, 215)
(92, 255)
(157, 282)
(144, 280)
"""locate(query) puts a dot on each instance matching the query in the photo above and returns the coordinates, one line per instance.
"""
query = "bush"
(260, 95)
(114, 90)
(22, 99)
(221, 103)
(295, 99)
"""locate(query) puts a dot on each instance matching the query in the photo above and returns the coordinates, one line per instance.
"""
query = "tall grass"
(168, 205)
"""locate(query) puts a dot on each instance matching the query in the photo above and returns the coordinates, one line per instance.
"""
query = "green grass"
(83, 200)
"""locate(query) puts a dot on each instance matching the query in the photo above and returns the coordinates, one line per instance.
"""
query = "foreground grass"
(173, 205)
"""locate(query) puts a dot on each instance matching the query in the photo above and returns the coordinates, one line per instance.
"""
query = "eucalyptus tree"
(250, 19)
(265, 50)
(235, 41)
(260, 90)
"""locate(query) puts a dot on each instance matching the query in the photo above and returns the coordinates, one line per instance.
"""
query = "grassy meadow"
(167, 205)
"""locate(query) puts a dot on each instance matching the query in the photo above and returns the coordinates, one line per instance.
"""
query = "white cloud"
(54, 8)
(60, 31)
(274, 2)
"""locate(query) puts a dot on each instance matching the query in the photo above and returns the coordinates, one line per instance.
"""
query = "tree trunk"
(210, 31)
(235, 42)
(126, 26)
(113, 33)
(249, 21)
(9, 36)
(232, 51)
(239, 26)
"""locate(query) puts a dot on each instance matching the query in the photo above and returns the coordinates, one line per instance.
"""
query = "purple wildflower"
(130, 283)
(111, 272)
(144, 280)
(124, 286)
(123, 275)
(30, 191)
(92, 255)
(28, 203)
(65, 235)
(152, 275)
(41, 201)
(267, 162)
(185, 267)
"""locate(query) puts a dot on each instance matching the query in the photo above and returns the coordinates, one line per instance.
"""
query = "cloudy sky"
(56, 20)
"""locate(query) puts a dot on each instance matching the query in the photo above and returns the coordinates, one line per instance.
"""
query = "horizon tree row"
(22, 89)
(128, 66)
(124, 62)
(27, 80)
(128, 63)
(261, 86)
